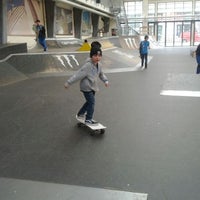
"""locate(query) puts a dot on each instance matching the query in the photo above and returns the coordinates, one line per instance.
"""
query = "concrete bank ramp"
(118, 53)
(130, 42)
(47, 63)
(9, 74)
(12, 189)
(22, 66)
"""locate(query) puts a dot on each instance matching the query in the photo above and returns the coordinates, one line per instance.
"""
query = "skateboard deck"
(95, 128)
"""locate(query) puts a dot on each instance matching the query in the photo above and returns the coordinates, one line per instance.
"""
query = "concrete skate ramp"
(47, 63)
(124, 42)
(21, 67)
(131, 42)
(9, 74)
(118, 53)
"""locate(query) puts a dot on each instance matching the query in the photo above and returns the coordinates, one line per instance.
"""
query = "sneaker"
(81, 117)
(91, 122)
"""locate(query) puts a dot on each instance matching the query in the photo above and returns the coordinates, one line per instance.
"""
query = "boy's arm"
(104, 78)
(81, 73)
(140, 48)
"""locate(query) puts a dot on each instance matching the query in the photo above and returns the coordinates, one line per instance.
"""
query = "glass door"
(197, 33)
(161, 33)
(169, 34)
(186, 35)
(178, 27)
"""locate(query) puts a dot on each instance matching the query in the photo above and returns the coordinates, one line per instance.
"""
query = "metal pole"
(3, 22)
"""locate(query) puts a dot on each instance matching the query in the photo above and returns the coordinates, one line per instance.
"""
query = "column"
(3, 20)
(50, 14)
(145, 7)
(106, 22)
(95, 24)
(77, 22)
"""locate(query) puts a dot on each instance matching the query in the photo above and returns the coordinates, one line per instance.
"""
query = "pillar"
(50, 13)
(145, 8)
(106, 22)
(3, 22)
(95, 24)
(77, 22)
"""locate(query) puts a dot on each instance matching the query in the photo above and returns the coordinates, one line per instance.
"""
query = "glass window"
(133, 9)
(197, 7)
(161, 7)
(152, 9)
(86, 23)
(187, 7)
(138, 8)
(178, 10)
(170, 8)
(63, 21)
(129, 7)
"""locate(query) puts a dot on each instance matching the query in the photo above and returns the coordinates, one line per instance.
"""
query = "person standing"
(88, 76)
(144, 46)
(198, 59)
(41, 34)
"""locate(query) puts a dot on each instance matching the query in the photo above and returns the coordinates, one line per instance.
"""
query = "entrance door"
(170, 34)
(178, 33)
(178, 29)
(197, 33)
(186, 35)
(161, 33)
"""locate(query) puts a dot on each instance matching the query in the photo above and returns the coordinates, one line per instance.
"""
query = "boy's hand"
(66, 85)
(106, 83)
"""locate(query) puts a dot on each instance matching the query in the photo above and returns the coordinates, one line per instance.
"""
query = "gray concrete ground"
(151, 144)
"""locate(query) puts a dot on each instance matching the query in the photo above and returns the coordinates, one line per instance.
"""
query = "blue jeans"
(88, 106)
(198, 69)
(144, 58)
(42, 41)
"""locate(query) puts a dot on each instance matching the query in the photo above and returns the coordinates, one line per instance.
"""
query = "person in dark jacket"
(41, 34)
(88, 76)
(198, 59)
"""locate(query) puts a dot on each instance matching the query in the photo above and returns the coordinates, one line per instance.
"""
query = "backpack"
(42, 32)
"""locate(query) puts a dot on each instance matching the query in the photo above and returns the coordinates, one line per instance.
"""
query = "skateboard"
(96, 128)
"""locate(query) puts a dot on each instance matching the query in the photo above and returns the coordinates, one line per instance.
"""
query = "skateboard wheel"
(79, 124)
(102, 131)
(92, 133)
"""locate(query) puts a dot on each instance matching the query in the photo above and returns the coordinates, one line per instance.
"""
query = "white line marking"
(182, 93)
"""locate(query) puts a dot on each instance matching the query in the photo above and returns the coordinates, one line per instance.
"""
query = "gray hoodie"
(88, 75)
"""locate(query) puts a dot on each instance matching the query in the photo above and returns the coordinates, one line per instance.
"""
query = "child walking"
(144, 46)
(88, 76)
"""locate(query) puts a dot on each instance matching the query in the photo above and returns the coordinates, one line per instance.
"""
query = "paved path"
(151, 144)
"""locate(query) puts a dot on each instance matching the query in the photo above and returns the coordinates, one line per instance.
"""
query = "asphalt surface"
(151, 144)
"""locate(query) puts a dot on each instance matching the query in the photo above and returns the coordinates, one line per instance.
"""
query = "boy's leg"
(198, 69)
(142, 59)
(42, 41)
(145, 56)
(90, 98)
(83, 109)
(45, 44)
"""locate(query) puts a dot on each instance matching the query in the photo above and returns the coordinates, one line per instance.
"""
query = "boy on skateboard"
(88, 76)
